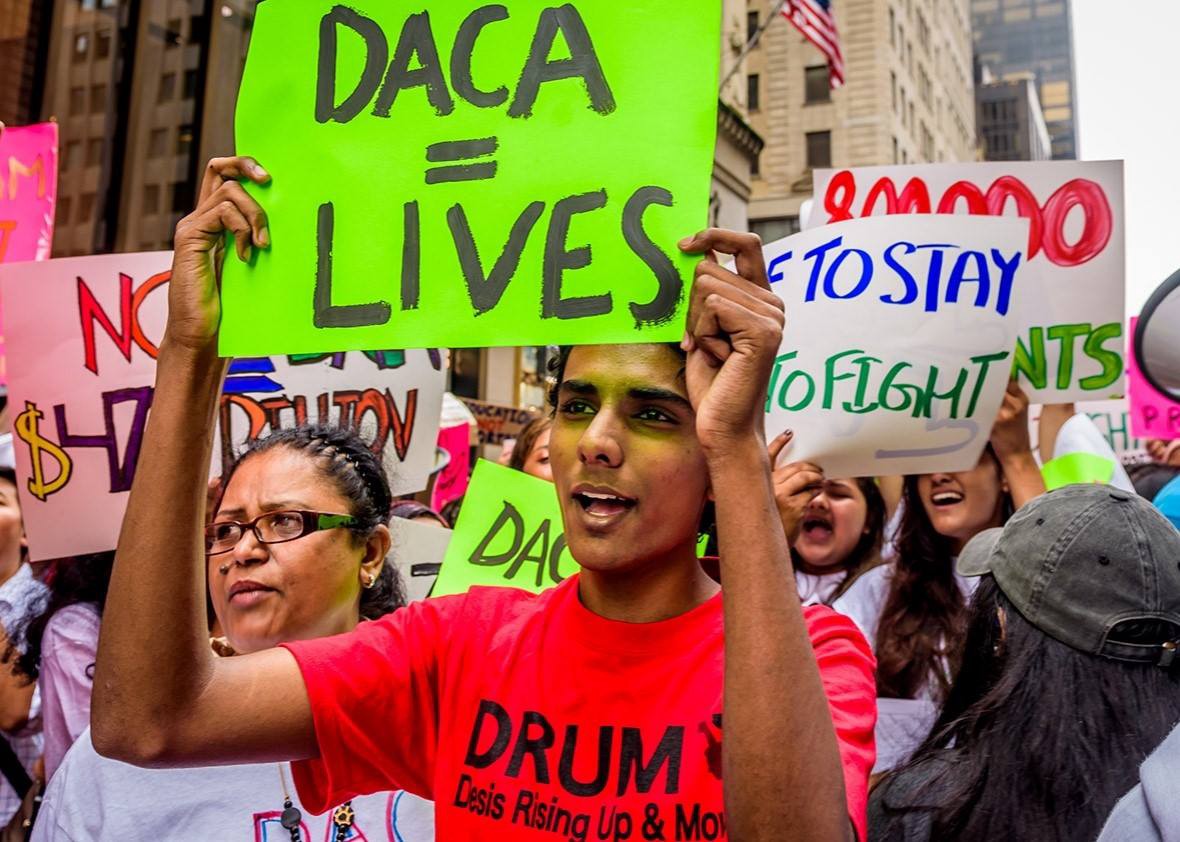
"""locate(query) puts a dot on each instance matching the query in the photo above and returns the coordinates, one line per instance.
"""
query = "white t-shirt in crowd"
(865, 600)
(92, 797)
(1081, 435)
(903, 724)
(818, 589)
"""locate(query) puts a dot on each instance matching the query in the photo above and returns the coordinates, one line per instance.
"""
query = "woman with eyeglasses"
(295, 551)
(636, 699)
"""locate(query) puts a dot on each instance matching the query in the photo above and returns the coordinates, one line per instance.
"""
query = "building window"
(752, 98)
(895, 159)
(94, 152)
(184, 140)
(190, 84)
(81, 48)
(893, 90)
(172, 35)
(182, 197)
(756, 166)
(98, 99)
(819, 150)
(751, 26)
(86, 209)
(151, 198)
(816, 85)
(157, 143)
(73, 153)
(770, 230)
(167, 89)
(102, 45)
(64, 204)
(77, 99)
(892, 29)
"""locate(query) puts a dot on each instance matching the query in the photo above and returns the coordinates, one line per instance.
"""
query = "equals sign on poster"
(460, 157)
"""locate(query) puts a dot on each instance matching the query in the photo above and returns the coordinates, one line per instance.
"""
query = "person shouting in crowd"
(531, 451)
(313, 569)
(1069, 677)
(834, 526)
(521, 715)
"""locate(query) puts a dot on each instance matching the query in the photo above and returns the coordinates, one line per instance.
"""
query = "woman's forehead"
(657, 365)
(281, 473)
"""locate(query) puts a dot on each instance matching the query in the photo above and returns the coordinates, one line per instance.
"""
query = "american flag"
(814, 19)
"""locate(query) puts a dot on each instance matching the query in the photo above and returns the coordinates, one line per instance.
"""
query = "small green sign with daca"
(458, 174)
(509, 534)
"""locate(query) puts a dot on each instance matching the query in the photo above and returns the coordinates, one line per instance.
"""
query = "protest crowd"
(809, 542)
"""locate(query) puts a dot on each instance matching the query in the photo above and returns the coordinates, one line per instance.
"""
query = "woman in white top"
(834, 526)
(297, 552)
(913, 610)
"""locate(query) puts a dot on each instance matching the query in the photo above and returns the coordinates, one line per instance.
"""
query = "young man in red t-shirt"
(595, 710)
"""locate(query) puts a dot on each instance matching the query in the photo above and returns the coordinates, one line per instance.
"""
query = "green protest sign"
(458, 174)
(509, 534)
(1074, 468)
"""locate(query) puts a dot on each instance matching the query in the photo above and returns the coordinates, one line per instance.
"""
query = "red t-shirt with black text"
(529, 717)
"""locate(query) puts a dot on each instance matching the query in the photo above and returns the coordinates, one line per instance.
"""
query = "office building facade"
(1033, 36)
(908, 97)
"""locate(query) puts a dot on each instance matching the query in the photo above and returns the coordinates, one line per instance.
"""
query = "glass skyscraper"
(1017, 36)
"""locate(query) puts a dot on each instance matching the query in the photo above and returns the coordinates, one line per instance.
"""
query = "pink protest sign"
(452, 482)
(1153, 416)
(28, 191)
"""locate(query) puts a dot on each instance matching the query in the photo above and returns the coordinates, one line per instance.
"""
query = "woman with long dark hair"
(913, 610)
(1069, 677)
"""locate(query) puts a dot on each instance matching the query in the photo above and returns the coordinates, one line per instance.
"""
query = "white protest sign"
(1113, 420)
(83, 335)
(418, 550)
(391, 397)
(1071, 347)
(899, 340)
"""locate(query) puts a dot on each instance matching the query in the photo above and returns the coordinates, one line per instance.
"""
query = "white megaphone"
(1157, 339)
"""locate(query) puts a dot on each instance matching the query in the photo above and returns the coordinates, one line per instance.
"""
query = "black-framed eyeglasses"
(271, 528)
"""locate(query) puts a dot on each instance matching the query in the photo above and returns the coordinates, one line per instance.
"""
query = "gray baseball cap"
(1082, 560)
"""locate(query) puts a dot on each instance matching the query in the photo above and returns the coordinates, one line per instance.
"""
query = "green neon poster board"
(509, 534)
(451, 174)
(1074, 468)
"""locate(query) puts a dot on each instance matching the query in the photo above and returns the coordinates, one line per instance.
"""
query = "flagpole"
(753, 42)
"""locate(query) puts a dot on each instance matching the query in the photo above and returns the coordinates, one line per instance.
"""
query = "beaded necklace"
(342, 817)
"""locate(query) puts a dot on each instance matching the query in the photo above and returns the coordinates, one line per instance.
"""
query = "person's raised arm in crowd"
(160, 695)
(1013, 447)
(773, 693)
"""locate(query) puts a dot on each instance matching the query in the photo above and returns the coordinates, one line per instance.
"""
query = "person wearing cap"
(1070, 676)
